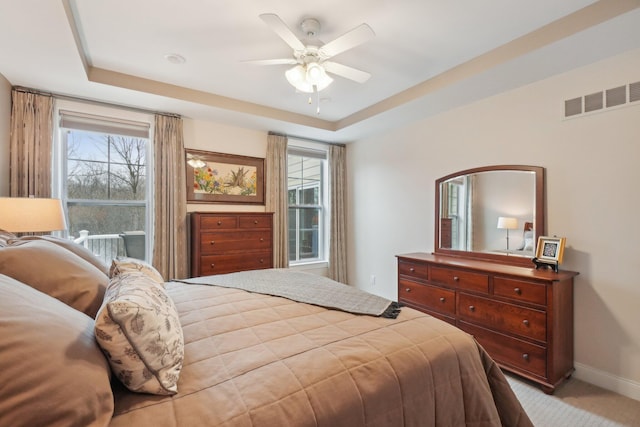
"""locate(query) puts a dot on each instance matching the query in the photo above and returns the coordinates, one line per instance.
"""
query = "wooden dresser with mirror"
(474, 280)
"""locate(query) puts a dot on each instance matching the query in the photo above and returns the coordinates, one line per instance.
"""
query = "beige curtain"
(337, 228)
(30, 145)
(170, 205)
(276, 197)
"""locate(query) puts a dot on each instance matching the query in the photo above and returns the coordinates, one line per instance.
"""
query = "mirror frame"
(539, 223)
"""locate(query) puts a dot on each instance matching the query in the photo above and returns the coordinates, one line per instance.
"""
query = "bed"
(221, 355)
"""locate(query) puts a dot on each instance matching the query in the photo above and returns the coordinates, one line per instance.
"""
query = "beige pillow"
(52, 372)
(139, 330)
(57, 272)
(123, 265)
(70, 245)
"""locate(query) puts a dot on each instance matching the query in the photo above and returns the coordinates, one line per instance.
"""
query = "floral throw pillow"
(139, 331)
(124, 265)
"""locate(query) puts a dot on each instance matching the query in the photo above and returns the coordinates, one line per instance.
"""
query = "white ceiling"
(427, 56)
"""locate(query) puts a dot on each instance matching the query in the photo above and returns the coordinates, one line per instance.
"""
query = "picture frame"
(224, 178)
(550, 249)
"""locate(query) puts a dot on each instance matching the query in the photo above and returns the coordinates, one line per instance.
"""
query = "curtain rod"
(91, 101)
(339, 144)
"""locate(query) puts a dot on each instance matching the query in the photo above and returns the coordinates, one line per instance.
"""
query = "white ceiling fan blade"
(282, 61)
(281, 29)
(346, 72)
(351, 39)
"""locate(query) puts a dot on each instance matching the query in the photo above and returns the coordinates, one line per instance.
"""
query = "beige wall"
(593, 173)
(5, 117)
(220, 138)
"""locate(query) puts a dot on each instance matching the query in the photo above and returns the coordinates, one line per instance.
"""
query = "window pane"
(308, 233)
(306, 175)
(102, 228)
(105, 167)
(86, 180)
(105, 219)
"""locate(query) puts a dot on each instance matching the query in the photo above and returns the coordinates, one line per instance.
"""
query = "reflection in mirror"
(494, 210)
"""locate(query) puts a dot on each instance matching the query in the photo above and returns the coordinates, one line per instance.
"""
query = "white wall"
(5, 118)
(592, 176)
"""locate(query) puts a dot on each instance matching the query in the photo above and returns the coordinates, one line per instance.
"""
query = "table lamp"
(508, 224)
(31, 215)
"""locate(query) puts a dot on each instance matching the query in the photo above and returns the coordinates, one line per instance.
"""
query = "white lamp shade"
(30, 215)
(508, 223)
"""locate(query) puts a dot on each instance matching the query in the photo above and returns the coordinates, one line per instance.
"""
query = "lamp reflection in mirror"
(31, 215)
(507, 223)
(195, 162)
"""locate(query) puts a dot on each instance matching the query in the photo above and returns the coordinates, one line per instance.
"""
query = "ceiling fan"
(311, 62)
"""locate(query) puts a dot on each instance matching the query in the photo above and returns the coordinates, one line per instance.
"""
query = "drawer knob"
(518, 291)
(255, 221)
(472, 308)
(261, 261)
(412, 269)
(219, 222)
(442, 299)
(213, 242)
(262, 239)
(212, 265)
(525, 356)
(407, 290)
(456, 278)
(525, 322)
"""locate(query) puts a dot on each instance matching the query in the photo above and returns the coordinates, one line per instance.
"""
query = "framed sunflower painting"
(224, 178)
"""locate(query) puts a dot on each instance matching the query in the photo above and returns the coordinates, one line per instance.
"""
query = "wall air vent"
(596, 101)
(616, 96)
(572, 107)
(593, 102)
(634, 92)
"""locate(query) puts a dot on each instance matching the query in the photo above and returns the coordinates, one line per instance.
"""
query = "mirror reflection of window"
(471, 204)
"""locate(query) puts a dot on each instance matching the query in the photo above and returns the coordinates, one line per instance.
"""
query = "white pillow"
(138, 329)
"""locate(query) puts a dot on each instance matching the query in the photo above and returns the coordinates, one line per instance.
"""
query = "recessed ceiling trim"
(580, 20)
(594, 14)
(127, 81)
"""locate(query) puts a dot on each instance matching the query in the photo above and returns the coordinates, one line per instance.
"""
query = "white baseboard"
(608, 381)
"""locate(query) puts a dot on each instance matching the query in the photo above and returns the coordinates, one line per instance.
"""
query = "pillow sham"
(57, 272)
(51, 369)
(139, 331)
(124, 265)
(70, 245)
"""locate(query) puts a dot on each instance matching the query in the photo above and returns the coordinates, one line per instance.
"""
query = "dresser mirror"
(493, 212)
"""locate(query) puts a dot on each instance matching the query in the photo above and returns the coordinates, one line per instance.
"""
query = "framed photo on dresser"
(550, 249)
(224, 178)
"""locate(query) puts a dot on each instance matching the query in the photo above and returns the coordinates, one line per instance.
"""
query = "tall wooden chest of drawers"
(523, 317)
(226, 242)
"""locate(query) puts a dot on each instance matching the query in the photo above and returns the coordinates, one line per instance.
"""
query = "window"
(104, 181)
(306, 177)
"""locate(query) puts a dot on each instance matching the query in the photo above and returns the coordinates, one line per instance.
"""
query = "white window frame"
(317, 150)
(59, 178)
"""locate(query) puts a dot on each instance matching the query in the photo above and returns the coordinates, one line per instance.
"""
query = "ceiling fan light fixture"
(304, 78)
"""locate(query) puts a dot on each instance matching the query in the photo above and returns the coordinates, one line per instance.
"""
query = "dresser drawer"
(218, 222)
(219, 264)
(414, 269)
(502, 316)
(510, 351)
(222, 242)
(520, 290)
(257, 221)
(431, 297)
(460, 279)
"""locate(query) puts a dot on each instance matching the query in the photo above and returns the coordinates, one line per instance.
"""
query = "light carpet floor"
(576, 403)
